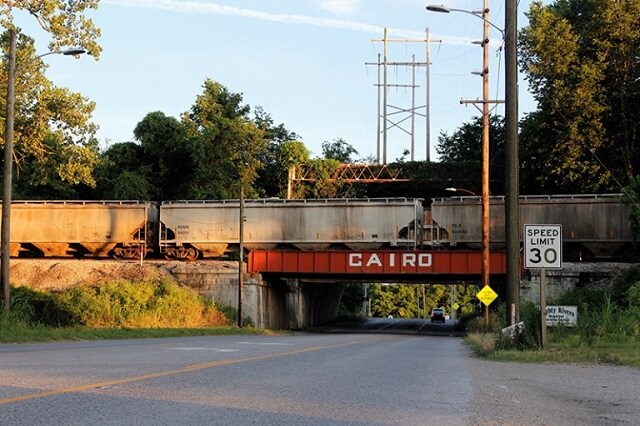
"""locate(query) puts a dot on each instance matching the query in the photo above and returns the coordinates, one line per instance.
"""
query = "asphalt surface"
(343, 378)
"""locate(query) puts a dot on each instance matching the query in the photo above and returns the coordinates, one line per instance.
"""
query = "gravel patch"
(554, 394)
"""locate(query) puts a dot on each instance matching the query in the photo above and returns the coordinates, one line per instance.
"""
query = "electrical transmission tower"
(401, 118)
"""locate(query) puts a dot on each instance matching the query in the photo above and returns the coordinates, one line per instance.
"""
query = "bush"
(633, 295)
(469, 322)
(530, 315)
(231, 314)
(36, 307)
(629, 279)
(140, 305)
(481, 344)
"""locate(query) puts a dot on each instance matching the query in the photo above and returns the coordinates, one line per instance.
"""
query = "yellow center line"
(187, 369)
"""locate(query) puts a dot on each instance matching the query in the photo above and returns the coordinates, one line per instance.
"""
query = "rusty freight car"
(192, 229)
(593, 226)
(118, 229)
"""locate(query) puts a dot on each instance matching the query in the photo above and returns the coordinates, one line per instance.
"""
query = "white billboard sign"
(562, 315)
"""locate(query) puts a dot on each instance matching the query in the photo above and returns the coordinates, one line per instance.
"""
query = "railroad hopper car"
(116, 229)
(192, 229)
(593, 226)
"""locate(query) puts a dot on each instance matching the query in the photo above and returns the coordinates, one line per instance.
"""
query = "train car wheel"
(118, 253)
(191, 254)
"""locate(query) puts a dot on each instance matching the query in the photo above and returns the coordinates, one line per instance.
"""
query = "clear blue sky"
(303, 61)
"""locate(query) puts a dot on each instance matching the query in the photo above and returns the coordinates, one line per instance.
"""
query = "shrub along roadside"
(123, 309)
(608, 330)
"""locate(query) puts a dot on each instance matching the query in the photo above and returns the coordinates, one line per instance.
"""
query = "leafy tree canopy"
(54, 141)
(227, 146)
(580, 59)
(65, 21)
(167, 155)
(52, 127)
(338, 150)
(463, 149)
(417, 300)
(209, 153)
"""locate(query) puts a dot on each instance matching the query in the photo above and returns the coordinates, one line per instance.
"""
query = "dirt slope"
(55, 275)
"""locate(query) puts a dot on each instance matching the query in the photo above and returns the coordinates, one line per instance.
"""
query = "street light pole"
(8, 169)
(485, 152)
(5, 237)
(485, 134)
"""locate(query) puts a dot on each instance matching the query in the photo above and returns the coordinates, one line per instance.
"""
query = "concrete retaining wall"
(282, 304)
(571, 276)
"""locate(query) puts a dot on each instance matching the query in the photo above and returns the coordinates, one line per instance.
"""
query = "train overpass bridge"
(296, 289)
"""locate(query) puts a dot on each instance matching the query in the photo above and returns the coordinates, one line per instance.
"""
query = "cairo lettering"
(403, 260)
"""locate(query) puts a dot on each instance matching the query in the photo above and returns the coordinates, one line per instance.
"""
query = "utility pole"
(241, 255)
(8, 170)
(485, 147)
(512, 164)
(5, 238)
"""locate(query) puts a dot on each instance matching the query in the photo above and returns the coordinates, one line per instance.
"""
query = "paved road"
(300, 379)
(415, 326)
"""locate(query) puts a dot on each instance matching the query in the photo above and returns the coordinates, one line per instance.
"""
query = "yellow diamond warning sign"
(487, 295)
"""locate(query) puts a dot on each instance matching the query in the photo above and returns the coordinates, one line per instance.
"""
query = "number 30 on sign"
(543, 246)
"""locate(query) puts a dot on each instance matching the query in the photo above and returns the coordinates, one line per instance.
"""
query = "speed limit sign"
(543, 246)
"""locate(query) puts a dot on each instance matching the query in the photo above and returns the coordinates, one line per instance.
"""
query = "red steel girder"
(354, 173)
(373, 262)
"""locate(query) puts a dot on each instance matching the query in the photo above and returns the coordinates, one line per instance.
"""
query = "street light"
(484, 15)
(461, 190)
(479, 14)
(5, 238)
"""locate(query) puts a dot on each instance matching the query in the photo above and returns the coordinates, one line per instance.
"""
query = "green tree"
(51, 126)
(322, 170)
(167, 165)
(464, 150)
(338, 150)
(59, 173)
(411, 300)
(581, 63)
(123, 173)
(65, 21)
(398, 300)
(227, 145)
(284, 151)
(284, 156)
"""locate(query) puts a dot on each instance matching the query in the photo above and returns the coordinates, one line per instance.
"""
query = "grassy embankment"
(118, 310)
(608, 330)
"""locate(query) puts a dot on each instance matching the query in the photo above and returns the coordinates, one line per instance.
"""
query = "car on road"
(437, 315)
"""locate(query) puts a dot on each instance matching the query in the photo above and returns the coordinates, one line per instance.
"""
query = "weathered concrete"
(570, 277)
(262, 303)
(311, 303)
(281, 304)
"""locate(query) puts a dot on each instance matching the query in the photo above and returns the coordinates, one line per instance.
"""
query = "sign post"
(543, 249)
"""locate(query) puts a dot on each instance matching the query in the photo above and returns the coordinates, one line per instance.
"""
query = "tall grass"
(608, 329)
(132, 304)
(121, 304)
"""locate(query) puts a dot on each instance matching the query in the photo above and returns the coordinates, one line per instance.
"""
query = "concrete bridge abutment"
(277, 304)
